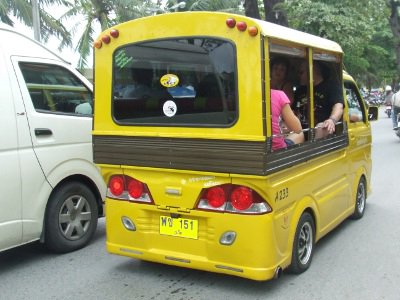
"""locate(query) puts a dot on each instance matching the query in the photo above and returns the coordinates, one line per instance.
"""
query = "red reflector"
(97, 44)
(114, 33)
(230, 22)
(216, 196)
(241, 198)
(116, 185)
(241, 26)
(135, 188)
(106, 39)
(253, 31)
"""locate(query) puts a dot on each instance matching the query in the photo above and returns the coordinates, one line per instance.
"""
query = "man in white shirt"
(395, 108)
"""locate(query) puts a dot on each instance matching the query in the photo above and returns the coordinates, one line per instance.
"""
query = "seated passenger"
(328, 99)
(279, 77)
(140, 87)
(84, 109)
(281, 111)
(355, 115)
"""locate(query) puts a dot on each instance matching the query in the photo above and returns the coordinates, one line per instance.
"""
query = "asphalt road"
(358, 260)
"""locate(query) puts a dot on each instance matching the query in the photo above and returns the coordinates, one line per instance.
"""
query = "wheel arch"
(307, 204)
(75, 178)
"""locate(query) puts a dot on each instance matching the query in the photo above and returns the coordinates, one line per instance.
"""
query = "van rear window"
(175, 82)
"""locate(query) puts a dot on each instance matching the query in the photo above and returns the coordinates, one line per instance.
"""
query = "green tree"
(210, 5)
(394, 21)
(102, 14)
(274, 12)
(22, 11)
(251, 8)
(358, 26)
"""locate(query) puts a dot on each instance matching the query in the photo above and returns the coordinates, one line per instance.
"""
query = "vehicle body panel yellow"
(325, 186)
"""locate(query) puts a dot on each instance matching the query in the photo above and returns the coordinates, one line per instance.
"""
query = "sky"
(67, 53)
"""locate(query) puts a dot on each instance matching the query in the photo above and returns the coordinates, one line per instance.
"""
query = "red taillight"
(122, 187)
(116, 185)
(232, 198)
(114, 33)
(216, 196)
(230, 22)
(106, 39)
(242, 26)
(135, 188)
(241, 198)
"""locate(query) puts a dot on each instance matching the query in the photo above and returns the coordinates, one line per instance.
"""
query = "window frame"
(311, 147)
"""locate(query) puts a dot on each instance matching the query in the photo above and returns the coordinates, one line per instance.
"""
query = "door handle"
(43, 131)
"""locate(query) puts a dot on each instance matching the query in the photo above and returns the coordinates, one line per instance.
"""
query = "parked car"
(51, 190)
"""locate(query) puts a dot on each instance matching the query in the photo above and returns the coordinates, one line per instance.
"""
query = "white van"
(51, 190)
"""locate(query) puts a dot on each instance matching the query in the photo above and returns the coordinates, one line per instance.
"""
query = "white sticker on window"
(169, 108)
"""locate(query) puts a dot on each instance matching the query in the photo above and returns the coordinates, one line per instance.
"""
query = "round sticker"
(169, 80)
(169, 108)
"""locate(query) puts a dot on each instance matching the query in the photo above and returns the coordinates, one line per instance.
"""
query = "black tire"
(361, 199)
(303, 244)
(71, 218)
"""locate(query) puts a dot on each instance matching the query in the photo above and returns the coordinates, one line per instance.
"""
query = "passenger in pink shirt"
(283, 114)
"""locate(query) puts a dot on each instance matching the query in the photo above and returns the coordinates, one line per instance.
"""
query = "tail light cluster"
(123, 187)
(106, 38)
(233, 198)
(242, 26)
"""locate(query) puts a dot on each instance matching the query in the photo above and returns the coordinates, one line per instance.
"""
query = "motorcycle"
(388, 110)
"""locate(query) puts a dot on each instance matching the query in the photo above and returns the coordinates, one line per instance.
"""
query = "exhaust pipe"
(278, 272)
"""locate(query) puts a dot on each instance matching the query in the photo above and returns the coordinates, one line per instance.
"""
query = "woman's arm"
(291, 121)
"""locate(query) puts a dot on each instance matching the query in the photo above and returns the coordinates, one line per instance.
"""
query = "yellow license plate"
(186, 228)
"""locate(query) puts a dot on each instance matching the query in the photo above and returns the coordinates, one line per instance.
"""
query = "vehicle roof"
(266, 29)
(5, 27)
(285, 33)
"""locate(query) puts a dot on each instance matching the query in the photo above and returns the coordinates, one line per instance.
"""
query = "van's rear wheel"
(361, 199)
(71, 217)
(303, 244)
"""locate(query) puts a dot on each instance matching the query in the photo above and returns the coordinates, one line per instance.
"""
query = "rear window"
(175, 82)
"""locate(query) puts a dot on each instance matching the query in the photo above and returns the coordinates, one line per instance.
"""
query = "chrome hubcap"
(305, 243)
(74, 217)
(361, 197)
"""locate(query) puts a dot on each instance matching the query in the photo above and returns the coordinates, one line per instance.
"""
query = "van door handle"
(43, 131)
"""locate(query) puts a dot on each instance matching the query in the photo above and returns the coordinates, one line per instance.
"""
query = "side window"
(54, 89)
(354, 103)
(306, 100)
(326, 99)
(285, 122)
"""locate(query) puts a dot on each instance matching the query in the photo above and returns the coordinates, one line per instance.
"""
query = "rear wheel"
(303, 244)
(361, 198)
(71, 217)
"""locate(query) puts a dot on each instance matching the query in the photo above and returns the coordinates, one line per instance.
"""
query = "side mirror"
(373, 113)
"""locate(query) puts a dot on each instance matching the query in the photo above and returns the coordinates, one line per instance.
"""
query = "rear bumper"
(252, 255)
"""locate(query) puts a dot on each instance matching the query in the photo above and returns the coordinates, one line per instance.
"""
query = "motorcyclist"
(388, 100)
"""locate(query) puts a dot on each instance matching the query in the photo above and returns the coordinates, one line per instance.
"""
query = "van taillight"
(232, 198)
(123, 187)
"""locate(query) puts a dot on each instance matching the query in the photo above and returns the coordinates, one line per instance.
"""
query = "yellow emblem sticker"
(169, 80)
